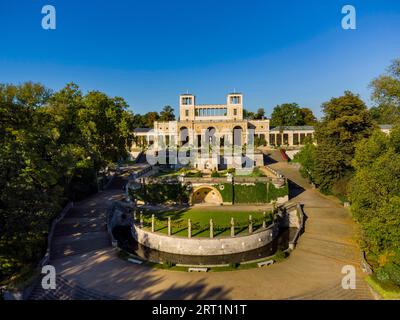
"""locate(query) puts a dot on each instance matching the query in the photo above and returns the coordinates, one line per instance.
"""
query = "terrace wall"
(205, 246)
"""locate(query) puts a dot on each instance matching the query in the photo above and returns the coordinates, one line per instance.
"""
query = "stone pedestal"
(264, 223)
(169, 226)
(250, 224)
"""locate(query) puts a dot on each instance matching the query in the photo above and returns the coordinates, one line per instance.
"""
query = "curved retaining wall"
(205, 246)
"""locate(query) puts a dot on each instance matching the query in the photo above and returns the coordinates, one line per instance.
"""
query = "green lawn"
(200, 218)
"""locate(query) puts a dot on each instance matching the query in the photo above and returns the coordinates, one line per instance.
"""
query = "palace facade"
(200, 122)
(201, 125)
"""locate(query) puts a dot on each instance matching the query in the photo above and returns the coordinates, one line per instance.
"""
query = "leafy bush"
(393, 272)
(231, 170)
(168, 264)
(274, 193)
(382, 275)
(215, 174)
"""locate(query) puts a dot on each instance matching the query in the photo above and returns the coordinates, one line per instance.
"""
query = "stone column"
(189, 228)
(264, 223)
(290, 138)
(250, 224)
(141, 222)
(152, 223)
(232, 227)
(134, 215)
(211, 229)
(169, 226)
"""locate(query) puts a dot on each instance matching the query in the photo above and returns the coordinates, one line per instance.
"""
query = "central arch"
(210, 135)
(183, 136)
(205, 195)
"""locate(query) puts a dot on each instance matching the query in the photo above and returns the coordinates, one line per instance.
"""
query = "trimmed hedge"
(161, 193)
(226, 193)
(257, 193)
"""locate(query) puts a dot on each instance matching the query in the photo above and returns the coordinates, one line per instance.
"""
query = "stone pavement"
(313, 271)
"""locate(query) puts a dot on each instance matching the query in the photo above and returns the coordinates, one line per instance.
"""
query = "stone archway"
(183, 136)
(210, 135)
(205, 195)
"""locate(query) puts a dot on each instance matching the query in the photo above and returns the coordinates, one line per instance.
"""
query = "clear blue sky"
(149, 52)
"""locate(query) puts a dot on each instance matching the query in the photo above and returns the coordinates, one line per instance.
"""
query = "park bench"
(197, 269)
(265, 263)
(135, 261)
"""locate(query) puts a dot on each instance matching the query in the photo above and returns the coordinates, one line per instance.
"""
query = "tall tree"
(167, 114)
(346, 121)
(248, 114)
(375, 191)
(149, 118)
(50, 143)
(260, 114)
(386, 95)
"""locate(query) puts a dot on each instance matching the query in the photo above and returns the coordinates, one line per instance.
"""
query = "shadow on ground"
(107, 273)
(268, 159)
(294, 189)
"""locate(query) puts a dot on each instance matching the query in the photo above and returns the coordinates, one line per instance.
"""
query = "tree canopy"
(345, 122)
(375, 191)
(355, 159)
(250, 115)
(291, 114)
(52, 146)
(386, 95)
(167, 114)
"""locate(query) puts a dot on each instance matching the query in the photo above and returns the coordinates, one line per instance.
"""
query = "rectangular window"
(187, 113)
(235, 100)
(186, 101)
(235, 112)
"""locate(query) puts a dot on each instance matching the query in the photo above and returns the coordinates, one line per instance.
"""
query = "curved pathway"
(82, 254)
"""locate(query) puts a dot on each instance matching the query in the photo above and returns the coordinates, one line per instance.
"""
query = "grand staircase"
(82, 230)
(67, 290)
